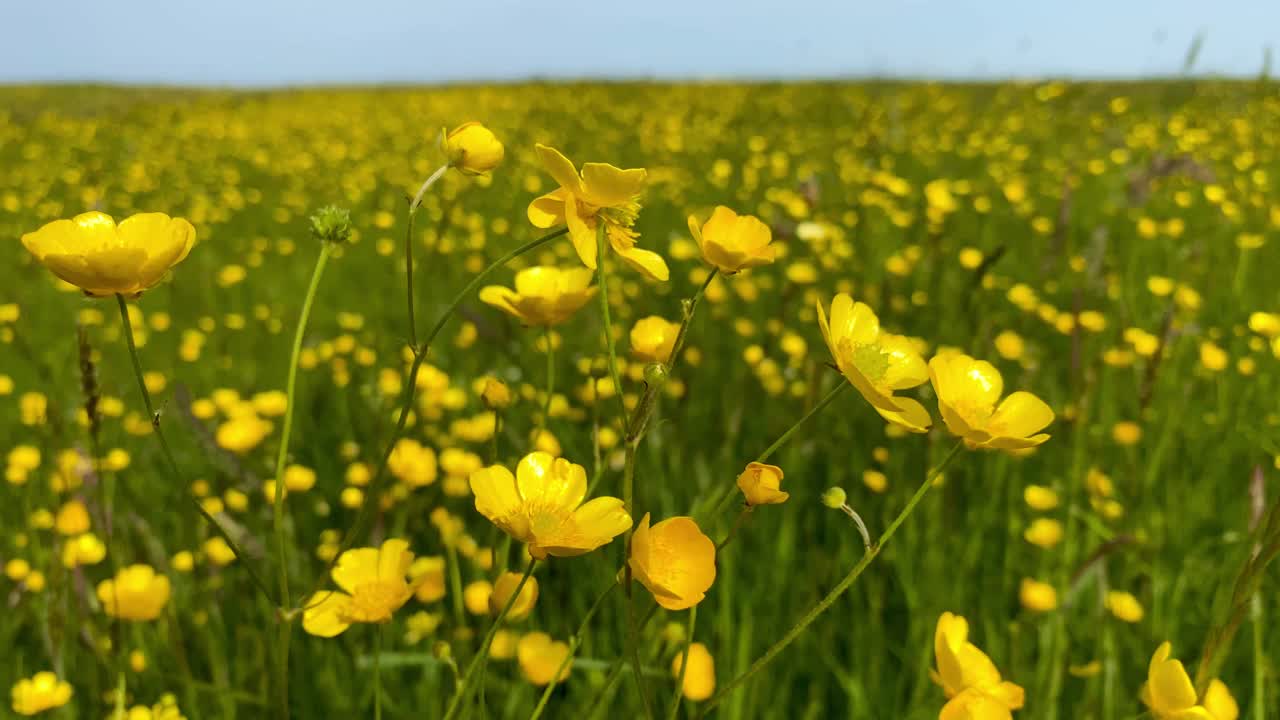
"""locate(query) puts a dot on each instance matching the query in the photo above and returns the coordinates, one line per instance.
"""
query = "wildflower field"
(787, 401)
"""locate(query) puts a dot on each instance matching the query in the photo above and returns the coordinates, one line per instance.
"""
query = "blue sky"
(286, 42)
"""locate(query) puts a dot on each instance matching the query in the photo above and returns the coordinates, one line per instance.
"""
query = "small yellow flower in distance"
(539, 657)
(604, 194)
(271, 403)
(1044, 532)
(426, 574)
(1086, 670)
(700, 678)
(40, 692)
(472, 148)
(1010, 345)
(242, 433)
(475, 596)
(1212, 357)
(968, 391)
(299, 478)
(544, 295)
(760, 484)
(218, 552)
(1124, 606)
(1037, 596)
(653, 339)
(1169, 694)
(1126, 432)
(413, 463)
(1265, 324)
(1039, 497)
(733, 242)
(504, 587)
(84, 549)
(674, 560)
(876, 481)
(136, 593)
(17, 569)
(137, 661)
(495, 393)
(877, 363)
(969, 679)
(373, 588)
(72, 518)
(504, 645)
(542, 505)
(101, 258)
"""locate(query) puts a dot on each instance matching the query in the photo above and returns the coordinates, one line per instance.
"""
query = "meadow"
(1105, 247)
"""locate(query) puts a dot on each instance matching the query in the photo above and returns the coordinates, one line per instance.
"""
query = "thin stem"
(408, 249)
(173, 463)
(690, 307)
(460, 697)
(827, 601)
(574, 642)
(633, 647)
(737, 523)
(409, 392)
(277, 510)
(377, 672)
(684, 665)
(602, 279)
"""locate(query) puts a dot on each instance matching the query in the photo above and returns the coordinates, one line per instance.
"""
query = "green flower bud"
(834, 497)
(331, 224)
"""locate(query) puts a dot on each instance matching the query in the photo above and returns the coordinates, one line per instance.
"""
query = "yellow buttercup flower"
(426, 574)
(733, 242)
(653, 339)
(504, 587)
(373, 587)
(40, 692)
(136, 593)
(760, 484)
(1124, 606)
(1037, 596)
(472, 148)
(539, 657)
(1171, 696)
(542, 505)
(674, 560)
(968, 391)
(971, 682)
(877, 363)
(700, 678)
(543, 295)
(101, 258)
(601, 193)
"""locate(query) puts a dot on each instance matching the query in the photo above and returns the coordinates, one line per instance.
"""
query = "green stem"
(551, 378)
(1259, 705)
(684, 665)
(277, 510)
(690, 307)
(408, 249)
(633, 647)
(409, 392)
(173, 463)
(602, 279)
(455, 583)
(377, 672)
(465, 689)
(574, 642)
(830, 598)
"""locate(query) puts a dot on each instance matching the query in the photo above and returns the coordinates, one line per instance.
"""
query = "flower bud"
(834, 497)
(655, 374)
(331, 224)
(495, 394)
(472, 148)
(504, 587)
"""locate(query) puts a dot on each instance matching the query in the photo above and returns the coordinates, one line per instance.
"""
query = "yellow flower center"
(374, 601)
(870, 360)
(545, 521)
(623, 215)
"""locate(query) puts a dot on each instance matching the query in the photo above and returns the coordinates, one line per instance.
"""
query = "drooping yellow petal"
(394, 559)
(1219, 701)
(1020, 415)
(325, 614)
(581, 233)
(911, 415)
(503, 299)
(648, 263)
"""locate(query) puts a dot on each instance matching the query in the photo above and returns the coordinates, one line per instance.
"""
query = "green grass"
(248, 168)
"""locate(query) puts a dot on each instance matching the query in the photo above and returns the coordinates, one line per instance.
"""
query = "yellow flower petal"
(325, 612)
(559, 167)
(604, 185)
(648, 263)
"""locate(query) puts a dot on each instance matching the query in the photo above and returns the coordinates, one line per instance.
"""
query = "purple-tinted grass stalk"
(285, 631)
(830, 598)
